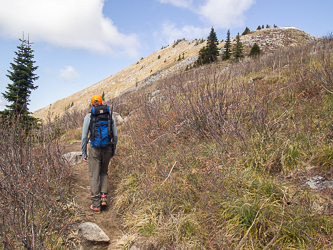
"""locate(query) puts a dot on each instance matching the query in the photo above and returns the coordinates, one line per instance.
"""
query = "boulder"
(73, 158)
(92, 232)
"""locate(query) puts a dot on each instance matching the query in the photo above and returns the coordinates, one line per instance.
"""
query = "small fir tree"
(227, 48)
(246, 31)
(255, 50)
(238, 49)
(22, 76)
(259, 27)
(203, 57)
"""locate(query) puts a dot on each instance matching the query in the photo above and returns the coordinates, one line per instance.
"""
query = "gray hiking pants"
(98, 160)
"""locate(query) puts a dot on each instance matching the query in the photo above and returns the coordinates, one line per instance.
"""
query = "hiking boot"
(104, 199)
(97, 210)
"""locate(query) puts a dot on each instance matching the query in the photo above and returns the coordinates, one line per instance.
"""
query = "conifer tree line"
(210, 52)
(22, 76)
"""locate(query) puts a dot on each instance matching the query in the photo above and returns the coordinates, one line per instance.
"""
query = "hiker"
(103, 140)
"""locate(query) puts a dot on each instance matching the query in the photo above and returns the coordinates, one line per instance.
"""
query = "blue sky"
(77, 43)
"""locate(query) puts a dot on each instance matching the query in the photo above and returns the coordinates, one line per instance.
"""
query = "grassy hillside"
(218, 158)
(164, 63)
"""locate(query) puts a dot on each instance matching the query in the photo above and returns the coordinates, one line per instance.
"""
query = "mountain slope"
(166, 62)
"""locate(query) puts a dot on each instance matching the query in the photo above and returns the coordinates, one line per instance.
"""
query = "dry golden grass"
(165, 62)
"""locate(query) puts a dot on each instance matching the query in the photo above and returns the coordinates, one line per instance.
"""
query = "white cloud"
(225, 13)
(217, 13)
(66, 23)
(171, 33)
(178, 3)
(68, 75)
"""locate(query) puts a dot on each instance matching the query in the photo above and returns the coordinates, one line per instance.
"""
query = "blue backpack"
(101, 126)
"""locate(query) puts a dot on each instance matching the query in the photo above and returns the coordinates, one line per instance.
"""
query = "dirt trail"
(107, 220)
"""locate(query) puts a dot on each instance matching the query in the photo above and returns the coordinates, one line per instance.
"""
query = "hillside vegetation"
(218, 157)
(165, 62)
(35, 185)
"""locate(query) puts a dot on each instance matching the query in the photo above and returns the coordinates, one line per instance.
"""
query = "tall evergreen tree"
(22, 76)
(227, 48)
(210, 52)
(238, 49)
(211, 48)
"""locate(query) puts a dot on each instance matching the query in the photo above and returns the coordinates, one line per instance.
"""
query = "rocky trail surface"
(107, 220)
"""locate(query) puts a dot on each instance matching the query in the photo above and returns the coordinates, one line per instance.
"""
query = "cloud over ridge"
(218, 13)
(226, 13)
(66, 23)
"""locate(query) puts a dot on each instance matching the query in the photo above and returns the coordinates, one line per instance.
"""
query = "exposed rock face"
(272, 39)
(92, 232)
(73, 158)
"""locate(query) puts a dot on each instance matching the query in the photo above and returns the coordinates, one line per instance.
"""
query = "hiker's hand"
(85, 159)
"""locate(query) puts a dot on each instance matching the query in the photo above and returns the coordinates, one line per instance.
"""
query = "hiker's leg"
(94, 170)
(106, 155)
